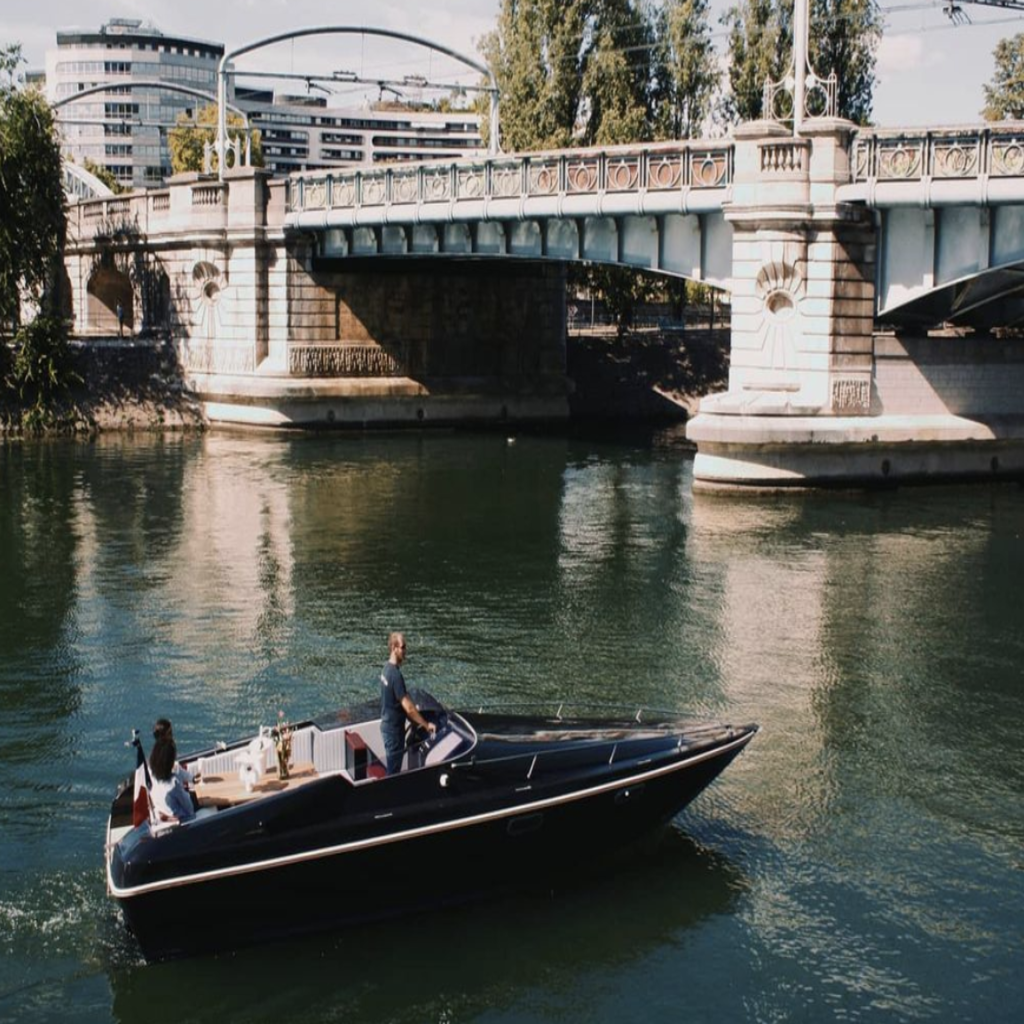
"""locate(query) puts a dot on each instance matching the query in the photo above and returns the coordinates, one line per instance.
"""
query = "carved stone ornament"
(851, 395)
(780, 286)
(341, 361)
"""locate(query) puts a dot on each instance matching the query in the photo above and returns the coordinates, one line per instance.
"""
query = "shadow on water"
(453, 964)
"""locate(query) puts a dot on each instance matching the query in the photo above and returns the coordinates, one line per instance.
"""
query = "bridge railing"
(657, 168)
(993, 151)
(201, 205)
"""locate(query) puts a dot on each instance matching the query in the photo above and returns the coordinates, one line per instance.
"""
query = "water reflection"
(454, 965)
(876, 821)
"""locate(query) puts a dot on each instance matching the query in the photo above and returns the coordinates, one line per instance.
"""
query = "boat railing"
(543, 759)
(560, 710)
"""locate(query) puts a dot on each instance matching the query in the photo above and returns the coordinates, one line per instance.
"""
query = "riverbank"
(646, 374)
(124, 386)
(654, 373)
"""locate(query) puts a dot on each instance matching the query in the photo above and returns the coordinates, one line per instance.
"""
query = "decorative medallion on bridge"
(954, 160)
(664, 172)
(543, 179)
(315, 197)
(373, 190)
(899, 161)
(437, 186)
(780, 287)
(404, 187)
(581, 176)
(343, 192)
(623, 174)
(708, 170)
(471, 183)
(206, 277)
(507, 181)
(1008, 157)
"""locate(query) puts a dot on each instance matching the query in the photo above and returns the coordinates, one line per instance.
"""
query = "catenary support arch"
(325, 30)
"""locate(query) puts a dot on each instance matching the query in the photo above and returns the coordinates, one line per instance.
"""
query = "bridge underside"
(693, 246)
(958, 266)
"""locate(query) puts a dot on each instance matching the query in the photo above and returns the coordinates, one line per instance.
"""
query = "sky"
(930, 71)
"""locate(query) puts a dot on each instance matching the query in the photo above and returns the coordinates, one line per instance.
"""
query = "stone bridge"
(873, 278)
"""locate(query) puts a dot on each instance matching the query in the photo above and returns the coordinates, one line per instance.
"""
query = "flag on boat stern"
(140, 800)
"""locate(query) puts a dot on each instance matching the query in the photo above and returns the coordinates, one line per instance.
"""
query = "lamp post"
(801, 20)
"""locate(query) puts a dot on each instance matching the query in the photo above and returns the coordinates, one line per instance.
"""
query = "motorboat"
(325, 839)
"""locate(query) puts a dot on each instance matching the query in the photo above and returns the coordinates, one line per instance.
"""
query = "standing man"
(396, 705)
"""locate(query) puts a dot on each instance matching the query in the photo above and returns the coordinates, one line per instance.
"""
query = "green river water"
(863, 860)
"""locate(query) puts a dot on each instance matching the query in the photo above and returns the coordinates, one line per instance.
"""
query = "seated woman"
(170, 800)
(163, 730)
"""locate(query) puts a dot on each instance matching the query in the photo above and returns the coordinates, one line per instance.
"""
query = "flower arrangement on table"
(282, 736)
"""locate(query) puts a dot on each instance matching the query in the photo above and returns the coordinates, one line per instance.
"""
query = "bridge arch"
(108, 291)
(325, 30)
(81, 184)
(142, 83)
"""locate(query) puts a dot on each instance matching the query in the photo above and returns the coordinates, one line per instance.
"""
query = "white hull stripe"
(413, 833)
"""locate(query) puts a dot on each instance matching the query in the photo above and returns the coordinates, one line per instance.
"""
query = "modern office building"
(302, 133)
(125, 129)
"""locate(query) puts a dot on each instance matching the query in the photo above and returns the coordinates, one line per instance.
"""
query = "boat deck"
(227, 790)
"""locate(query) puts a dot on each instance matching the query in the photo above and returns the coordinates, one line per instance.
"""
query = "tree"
(618, 75)
(572, 72)
(33, 226)
(33, 214)
(535, 54)
(844, 37)
(187, 139)
(756, 56)
(687, 68)
(1004, 95)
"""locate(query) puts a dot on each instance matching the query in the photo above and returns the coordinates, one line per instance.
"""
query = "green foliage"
(621, 288)
(618, 75)
(1004, 95)
(536, 55)
(757, 55)
(35, 369)
(188, 138)
(572, 72)
(33, 216)
(40, 370)
(687, 68)
(104, 174)
(844, 39)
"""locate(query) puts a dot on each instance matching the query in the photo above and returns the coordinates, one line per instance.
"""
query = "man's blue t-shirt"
(392, 714)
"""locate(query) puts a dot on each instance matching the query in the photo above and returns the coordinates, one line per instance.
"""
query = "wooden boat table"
(228, 790)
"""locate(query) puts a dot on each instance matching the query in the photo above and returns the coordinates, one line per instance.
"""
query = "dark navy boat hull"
(334, 855)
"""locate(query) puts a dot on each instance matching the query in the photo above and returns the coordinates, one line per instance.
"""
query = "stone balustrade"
(669, 167)
(995, 151)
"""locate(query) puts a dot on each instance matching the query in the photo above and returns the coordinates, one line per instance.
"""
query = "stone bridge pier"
(817, 395)
(272, 332)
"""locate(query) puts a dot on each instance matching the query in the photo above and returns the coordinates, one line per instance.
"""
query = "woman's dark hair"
(162, 758)
(162, 728)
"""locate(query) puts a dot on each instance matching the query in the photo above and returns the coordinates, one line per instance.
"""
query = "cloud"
(905, 53)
